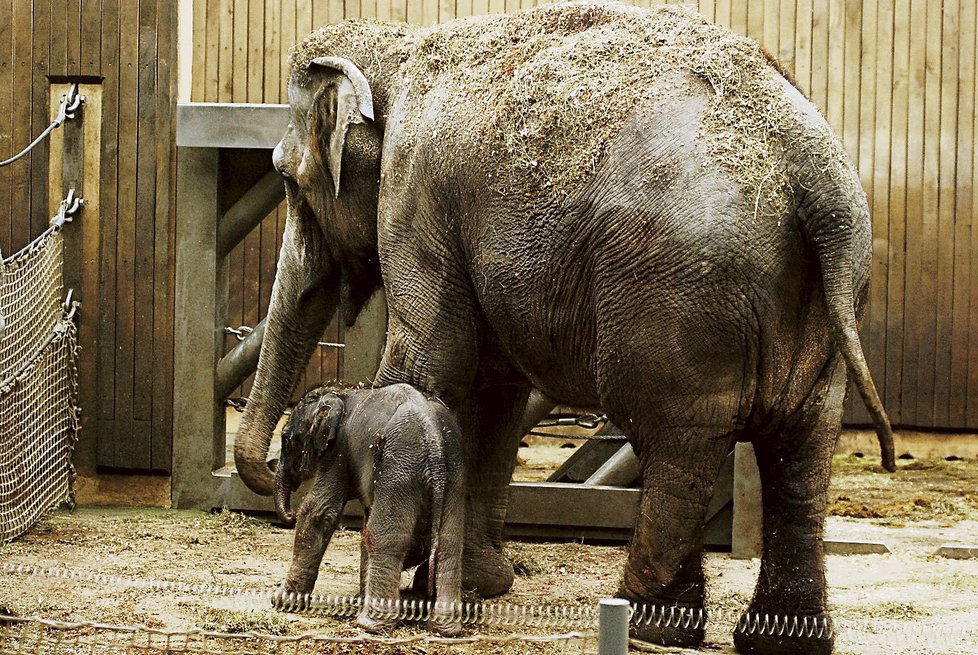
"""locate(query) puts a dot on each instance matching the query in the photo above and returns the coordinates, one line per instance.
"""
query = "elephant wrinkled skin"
(623, 208)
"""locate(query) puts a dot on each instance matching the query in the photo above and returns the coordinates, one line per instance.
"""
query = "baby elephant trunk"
(283, 497)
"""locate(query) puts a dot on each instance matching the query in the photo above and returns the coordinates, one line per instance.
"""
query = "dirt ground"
(909, 601)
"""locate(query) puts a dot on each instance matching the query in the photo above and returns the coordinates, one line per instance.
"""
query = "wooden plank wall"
(896, 79)
(129, 50)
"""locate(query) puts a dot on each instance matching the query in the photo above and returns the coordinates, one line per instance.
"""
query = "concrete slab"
(957, 551)
(856, 548)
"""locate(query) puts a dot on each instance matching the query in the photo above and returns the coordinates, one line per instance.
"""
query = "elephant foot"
(446, 626)
(287, 599)
(781, 635)
(483, 576)
(676, 626)
(375, 624)
(487, 573)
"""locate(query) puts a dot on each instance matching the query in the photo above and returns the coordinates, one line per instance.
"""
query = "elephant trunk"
(283, 497)
(304, 297)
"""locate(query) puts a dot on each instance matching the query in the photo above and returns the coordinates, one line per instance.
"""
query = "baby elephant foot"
(445, 626)
(763, 634)
(287, 599)
(446, 619)
(676, 626)
(375, 624)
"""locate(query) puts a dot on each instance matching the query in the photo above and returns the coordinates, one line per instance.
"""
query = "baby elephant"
(400, 454)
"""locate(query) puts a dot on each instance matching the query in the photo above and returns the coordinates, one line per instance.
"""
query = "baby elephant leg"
(386, 539)
(446, 619)
(316, 521)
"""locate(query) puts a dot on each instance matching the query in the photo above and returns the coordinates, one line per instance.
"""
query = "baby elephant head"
(308, 434)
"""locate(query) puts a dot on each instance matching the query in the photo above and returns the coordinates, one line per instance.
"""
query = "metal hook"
(72, 101)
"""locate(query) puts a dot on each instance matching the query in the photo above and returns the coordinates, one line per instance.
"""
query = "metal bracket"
(69, 207)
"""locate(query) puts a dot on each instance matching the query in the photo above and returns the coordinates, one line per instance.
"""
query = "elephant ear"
(329, 414)
(342, 98)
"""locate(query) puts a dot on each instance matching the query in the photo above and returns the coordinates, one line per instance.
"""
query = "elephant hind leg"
(385, 541)
(795, 464)
(681, 459)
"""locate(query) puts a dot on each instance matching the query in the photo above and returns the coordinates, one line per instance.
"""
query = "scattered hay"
(237, 523)
(220, 619)
(939, 507)
(551, 86)
(526, 561)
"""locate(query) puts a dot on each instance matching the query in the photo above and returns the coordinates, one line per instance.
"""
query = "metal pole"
(235, 367)
(621, 469)
(613, 626)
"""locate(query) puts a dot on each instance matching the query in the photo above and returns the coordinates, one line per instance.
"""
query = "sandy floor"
(909, 598)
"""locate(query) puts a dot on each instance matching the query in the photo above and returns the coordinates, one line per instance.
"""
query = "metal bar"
(621, 469)
(554, 503)
(235, 367)
(585, 460)
(248, 211)
(613, 615)
(230, 125)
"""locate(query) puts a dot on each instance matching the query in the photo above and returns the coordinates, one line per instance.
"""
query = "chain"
(242, 331)
(70, 102)
(586, 421)
(238, 404)
(239, 332)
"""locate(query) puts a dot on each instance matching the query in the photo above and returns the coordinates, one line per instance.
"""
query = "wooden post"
(74, 164)
(365, 341)
(200, 301)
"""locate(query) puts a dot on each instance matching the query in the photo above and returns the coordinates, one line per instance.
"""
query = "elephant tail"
(831, 227)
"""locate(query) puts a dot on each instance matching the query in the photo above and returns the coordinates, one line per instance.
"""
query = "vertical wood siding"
(129, 48)
(895, 79)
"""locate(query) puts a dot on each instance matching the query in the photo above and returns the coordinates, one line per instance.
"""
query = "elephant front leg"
(791, 591)
(316, 522)
(433, 343)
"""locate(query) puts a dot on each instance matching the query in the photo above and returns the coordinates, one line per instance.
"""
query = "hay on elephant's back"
(558, 81)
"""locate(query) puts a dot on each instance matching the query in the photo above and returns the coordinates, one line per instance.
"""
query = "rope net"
(38, 385)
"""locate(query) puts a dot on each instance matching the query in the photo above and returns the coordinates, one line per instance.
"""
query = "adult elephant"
(627, 209)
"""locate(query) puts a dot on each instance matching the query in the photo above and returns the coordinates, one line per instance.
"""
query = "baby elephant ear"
(342, 97)
(329, 415)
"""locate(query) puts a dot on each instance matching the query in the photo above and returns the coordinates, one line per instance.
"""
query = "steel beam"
(235, 367)
(230, 125)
